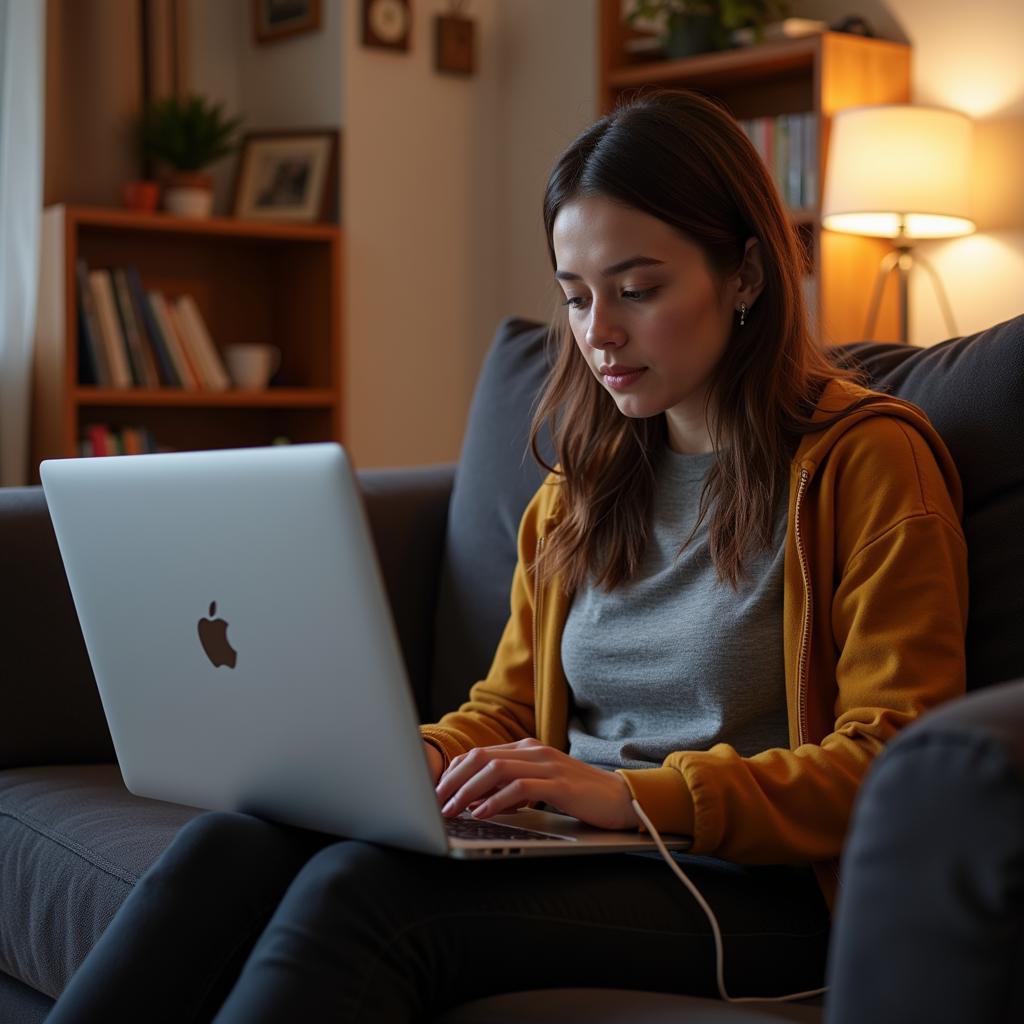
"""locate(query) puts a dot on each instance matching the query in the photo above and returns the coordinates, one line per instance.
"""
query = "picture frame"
(288, 176)
(274, 20)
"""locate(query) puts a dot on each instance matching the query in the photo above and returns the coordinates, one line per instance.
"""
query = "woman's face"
(645, 313)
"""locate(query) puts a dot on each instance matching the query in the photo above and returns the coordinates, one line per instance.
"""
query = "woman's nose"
(603, 330)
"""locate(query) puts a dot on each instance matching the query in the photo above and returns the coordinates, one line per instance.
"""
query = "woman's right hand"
(435, 760)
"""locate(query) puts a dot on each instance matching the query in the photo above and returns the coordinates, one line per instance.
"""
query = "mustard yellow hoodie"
(874, 615)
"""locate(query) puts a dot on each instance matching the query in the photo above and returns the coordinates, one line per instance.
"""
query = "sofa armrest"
(408, 514)
(50, 710)
(930, 912)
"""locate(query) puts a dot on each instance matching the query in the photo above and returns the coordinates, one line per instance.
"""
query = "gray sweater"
(675, 660)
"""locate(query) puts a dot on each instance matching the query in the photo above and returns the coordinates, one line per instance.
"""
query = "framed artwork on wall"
(288, 175)
(273, 20)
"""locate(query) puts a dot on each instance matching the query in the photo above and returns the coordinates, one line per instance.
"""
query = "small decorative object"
(251, 366)
(387, 23)
(698, 26)
(453, 41)
(790, 28)
(274, 20)
(288, 175)
(854, 25)
(143, 196)
(187, 134)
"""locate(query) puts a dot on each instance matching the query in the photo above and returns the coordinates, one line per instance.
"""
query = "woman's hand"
(495, 780)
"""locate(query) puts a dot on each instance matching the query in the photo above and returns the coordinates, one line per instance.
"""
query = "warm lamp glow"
(897, 165)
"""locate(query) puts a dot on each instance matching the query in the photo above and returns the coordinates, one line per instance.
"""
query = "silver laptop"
(245, 654)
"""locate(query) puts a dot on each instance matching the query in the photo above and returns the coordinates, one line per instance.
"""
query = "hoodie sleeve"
(888, 568)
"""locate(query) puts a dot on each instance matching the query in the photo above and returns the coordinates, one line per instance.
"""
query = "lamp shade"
(899, 165)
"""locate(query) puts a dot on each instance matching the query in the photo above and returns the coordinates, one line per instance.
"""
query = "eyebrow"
(615, 268)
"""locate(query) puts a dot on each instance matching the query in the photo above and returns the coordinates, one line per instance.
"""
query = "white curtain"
(22, 58)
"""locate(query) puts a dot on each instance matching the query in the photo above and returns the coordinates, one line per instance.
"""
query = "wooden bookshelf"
(253, 282)
(821, 74)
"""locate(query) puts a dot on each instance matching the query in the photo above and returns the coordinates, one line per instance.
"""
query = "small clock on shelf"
(387, 24)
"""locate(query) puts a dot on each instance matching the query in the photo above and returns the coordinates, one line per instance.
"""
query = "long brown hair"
(680, 157)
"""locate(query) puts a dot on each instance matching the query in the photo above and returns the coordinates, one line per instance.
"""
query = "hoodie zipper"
(805, 627)
(536, 639)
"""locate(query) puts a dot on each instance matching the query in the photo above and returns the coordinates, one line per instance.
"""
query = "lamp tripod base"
(903, 260)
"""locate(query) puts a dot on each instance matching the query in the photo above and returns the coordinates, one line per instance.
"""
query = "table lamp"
(900, 172)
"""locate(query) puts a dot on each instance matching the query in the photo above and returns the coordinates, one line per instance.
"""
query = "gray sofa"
(930, 916)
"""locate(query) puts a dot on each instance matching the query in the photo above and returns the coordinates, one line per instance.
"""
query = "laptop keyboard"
(470, 828)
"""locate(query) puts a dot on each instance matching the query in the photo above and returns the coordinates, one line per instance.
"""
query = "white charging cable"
(716, 931)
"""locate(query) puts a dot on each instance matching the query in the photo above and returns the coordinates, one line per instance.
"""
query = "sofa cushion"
(495, 479)
(73, 842)
(972, 389)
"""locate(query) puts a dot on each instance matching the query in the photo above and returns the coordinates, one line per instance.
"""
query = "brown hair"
(678, 156)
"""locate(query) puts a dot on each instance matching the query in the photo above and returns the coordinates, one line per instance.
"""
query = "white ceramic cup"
(251, 366)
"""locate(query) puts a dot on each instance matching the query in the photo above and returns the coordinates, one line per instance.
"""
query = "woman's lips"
(618, 378)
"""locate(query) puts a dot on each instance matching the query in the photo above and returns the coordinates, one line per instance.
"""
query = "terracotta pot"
(143, 196)
(189, 194)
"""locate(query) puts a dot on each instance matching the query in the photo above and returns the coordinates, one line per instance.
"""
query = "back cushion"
(972, 389)
(495, 479)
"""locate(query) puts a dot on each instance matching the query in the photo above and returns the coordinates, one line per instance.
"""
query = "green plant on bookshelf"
(697, 26)
(187, 134)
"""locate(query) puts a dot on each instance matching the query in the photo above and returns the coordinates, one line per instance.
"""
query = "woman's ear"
(749, 279)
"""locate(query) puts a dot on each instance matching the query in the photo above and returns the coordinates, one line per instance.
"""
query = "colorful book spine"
(168, 377)
(110, 328)
(182, 367)
(96, 356)
(215, 373)
(143, 365)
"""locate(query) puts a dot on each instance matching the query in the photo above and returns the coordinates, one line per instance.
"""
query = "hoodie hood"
(841, 394)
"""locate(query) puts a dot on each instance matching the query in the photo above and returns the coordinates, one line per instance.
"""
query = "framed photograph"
(289, 176)
(273, 20)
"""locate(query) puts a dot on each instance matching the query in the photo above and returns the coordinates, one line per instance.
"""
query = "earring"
(743, 313)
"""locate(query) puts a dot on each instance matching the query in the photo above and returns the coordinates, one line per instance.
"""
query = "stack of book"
(101, 439)
(788, 144)
(133, 338)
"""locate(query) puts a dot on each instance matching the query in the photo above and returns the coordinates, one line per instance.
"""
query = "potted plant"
(696, 26)
(187, 134)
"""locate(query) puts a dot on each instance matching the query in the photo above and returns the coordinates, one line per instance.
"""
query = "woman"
(743, 576)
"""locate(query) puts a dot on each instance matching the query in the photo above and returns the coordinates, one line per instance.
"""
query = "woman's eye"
(629, 294)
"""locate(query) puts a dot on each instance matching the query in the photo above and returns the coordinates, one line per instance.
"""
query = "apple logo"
(213, 635)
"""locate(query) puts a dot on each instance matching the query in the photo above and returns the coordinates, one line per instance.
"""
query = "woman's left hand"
(495, 780)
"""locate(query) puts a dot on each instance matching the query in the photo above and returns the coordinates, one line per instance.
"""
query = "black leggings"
(240, 920)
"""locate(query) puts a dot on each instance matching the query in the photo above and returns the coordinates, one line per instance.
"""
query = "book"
(795, 160)
(110, 329)
(89, 327)
(142, 362)
(214, 371)
(168, 377)
(187, 346)
(809, 191)
(779, 165)
(97, 436)
(182, 367)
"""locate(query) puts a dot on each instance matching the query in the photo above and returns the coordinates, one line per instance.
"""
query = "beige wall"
(967, 57)
(444, 180)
